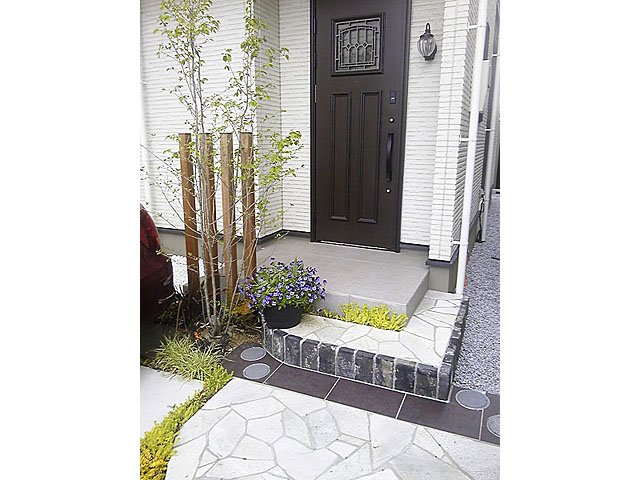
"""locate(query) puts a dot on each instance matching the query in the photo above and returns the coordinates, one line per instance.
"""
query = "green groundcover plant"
(379, 317)
(181, 356)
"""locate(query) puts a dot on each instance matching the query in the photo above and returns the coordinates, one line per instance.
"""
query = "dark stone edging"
(452, 353)
(375, 369)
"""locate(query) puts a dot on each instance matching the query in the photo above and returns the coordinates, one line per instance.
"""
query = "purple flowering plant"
(282, 285)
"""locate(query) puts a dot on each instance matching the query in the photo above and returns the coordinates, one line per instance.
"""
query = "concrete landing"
(353, 274)
(360, 275)
(159, 392)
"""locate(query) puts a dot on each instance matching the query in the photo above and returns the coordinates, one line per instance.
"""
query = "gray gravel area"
(479, 362)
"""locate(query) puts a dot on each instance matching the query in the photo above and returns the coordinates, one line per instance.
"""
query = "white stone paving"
(424, 339)
(255, 431)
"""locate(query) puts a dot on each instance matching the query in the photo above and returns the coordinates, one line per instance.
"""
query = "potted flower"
(282, 293)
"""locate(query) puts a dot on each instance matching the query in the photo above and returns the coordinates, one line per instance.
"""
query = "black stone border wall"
(451, 355)
(376, 369)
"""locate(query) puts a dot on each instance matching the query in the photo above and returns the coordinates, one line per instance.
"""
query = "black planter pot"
(286, 318)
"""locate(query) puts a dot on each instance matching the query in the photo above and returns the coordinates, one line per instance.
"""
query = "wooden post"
(248, 205)
(189, 208)
(210, 234)
(229, 215)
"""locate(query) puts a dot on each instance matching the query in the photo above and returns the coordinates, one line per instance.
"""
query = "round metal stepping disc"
(252, 354)
(472, 399)
(256, 371)
(493, 425)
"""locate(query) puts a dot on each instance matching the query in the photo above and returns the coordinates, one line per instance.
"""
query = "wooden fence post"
(248, 205)
(189, 209)
(210, 234)
(229, 215)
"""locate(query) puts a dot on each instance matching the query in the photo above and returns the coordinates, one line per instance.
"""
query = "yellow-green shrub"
(378, 317)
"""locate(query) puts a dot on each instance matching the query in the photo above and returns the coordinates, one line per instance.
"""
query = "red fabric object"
(148, 232)
(156, 271)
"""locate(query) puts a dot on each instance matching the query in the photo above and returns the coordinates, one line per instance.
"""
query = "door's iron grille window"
(357, 45)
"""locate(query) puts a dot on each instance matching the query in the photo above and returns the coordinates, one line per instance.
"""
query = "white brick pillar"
(453, 124)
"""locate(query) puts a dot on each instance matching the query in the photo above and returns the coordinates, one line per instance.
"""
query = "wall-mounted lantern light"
(427, 44)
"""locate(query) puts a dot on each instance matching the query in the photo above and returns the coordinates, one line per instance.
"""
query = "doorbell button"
(391, 120)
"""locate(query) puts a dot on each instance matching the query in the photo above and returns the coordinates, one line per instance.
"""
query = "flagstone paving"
(250, 430)
(424, 339)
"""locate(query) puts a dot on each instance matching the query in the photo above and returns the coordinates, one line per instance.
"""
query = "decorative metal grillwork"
(357, 45)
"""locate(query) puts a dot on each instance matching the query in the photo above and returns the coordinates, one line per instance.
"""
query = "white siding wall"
(162, 113)
(450, 127)
(268, 115)
(437, 112)
(453, 123)
(473, 20)
(496, 144)
(496, 151)
(494, 31)
(296, 104)
(421, 126)
(482, 127)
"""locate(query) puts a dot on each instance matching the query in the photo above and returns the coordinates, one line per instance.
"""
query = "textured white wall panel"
(437, 112)
(422, 121)
(453, 124)
(268, 114)
(162, 113)
(296, 105)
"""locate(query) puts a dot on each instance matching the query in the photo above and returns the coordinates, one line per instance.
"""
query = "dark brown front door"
(360, 76)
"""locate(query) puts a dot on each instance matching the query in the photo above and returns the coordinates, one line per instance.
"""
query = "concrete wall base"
(443, 274)
(172, 241)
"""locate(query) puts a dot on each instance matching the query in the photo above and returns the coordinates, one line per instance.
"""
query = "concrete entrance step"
(354, 275)
(360, 275)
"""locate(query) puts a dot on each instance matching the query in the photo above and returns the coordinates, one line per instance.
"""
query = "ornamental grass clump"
(182, 356)
(278, 285)
(179, 356)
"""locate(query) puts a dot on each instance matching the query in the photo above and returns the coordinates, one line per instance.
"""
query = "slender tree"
(187, 27)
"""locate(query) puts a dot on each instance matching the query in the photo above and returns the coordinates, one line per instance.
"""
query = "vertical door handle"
(389, 151)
